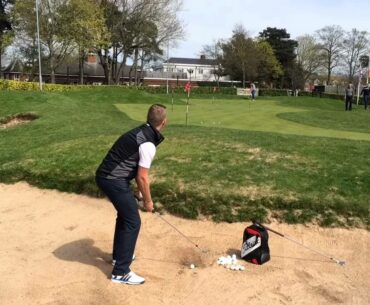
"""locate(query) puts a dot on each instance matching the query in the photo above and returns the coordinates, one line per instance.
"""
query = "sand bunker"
(17, 119)
(56, 249)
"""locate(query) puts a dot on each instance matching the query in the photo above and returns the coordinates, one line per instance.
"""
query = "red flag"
(187, 87)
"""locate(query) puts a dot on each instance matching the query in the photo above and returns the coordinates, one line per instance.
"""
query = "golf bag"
(255, 247)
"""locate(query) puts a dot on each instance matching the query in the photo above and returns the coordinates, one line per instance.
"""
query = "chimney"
(202, 56)
(91, 58)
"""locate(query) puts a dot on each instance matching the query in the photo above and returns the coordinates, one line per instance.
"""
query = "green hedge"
(12, 85)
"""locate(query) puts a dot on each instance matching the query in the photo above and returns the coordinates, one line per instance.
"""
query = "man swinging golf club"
(130, 157)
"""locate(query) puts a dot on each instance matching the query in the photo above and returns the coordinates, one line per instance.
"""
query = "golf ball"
(192, 266)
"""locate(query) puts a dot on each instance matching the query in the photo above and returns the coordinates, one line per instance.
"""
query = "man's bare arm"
(143, 183)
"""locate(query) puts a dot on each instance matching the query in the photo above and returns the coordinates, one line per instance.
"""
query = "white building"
(177, 71)
(196, 69)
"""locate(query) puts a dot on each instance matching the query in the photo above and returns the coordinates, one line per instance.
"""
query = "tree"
(86, 27)
(269, 68)
(6, 32)
(284, 49)
(24, 25)
(132, 24)
(331, 44)
(309, 56)
(355, 44)
(240, 59)
(214, 52)
(55, 35)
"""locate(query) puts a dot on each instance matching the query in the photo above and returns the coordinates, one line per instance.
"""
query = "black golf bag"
(255, 248)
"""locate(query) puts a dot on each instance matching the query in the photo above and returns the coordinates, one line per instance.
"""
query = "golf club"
(339, 262)
(139, 202)
(182, 234)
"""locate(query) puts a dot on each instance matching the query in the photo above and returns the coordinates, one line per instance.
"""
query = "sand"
(56, 249)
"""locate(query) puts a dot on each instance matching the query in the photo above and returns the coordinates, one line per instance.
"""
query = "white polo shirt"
(147, 152)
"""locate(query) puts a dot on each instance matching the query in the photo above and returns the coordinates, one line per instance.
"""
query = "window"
(200, 71)
(180, 70)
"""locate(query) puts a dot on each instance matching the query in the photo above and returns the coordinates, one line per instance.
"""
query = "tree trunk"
(52, 70)
(1, 65)
(243, 70)
(52, 76)
(106, 64)
(135, 60)
(114, 64)
(141, 68)
(81, 66)
(129, 75)
(329, 76)
(120, 69)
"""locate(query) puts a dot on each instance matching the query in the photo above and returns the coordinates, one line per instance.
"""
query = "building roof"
(190, 61)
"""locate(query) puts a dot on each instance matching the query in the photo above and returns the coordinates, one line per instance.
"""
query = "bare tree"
(136, 25)
(6, 31)
(331, 44)
(54, 31)
(309, 56)
(214, 52)
(355, 44)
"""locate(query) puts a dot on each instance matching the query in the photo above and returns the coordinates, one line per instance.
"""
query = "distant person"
(365, 92)
(253, 91)
(349, 97)
(130, 158)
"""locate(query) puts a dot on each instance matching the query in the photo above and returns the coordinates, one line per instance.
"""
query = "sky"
(206, 21)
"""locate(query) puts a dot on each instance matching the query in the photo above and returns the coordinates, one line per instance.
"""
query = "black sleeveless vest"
(122, 160)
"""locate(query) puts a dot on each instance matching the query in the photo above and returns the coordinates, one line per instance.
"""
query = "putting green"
(257, 116)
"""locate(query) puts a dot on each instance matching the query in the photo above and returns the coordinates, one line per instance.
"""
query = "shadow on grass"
(83, 251)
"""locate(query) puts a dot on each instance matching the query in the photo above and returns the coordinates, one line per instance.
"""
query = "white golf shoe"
(130, 278)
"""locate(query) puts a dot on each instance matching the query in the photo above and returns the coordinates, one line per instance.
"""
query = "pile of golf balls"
(230, 262)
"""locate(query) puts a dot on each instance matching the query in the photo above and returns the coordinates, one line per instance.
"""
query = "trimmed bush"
(12, 85)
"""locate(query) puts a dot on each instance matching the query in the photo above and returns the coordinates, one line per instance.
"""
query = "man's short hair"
(156, 114)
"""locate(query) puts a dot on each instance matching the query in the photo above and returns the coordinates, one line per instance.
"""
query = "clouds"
(208, 20)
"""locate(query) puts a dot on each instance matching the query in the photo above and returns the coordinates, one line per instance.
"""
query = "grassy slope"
(257, 164)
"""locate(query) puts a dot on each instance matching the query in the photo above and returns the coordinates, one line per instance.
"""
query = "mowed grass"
(265, 115)
(296, 159)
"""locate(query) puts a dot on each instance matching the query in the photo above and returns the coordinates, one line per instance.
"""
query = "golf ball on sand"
(230, 262)
(192, 266)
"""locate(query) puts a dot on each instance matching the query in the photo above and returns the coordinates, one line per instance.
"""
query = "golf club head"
(341, 263)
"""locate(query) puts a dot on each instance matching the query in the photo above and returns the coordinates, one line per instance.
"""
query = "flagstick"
(172, 99)
(187, 108)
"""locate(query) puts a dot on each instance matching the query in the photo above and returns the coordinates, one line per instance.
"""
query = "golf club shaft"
(139, 203)
(178, 231)
(297, 242)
